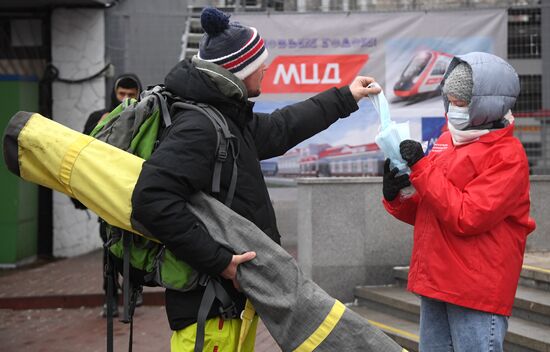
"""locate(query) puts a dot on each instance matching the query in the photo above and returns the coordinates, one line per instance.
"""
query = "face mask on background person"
(458, 116)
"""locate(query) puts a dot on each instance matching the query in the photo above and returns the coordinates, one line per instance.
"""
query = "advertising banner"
(407, 53)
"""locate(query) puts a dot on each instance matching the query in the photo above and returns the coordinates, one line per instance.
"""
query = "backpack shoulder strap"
(225, 140)
(227, 309)
(158, 91)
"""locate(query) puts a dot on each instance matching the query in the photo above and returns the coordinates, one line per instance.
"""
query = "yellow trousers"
(219, 336)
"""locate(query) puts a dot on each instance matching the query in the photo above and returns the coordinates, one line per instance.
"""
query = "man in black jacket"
(227, 71)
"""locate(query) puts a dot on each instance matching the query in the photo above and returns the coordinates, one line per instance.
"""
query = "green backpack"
(138, 127)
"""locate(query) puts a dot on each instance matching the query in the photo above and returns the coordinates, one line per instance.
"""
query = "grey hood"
(496, 88)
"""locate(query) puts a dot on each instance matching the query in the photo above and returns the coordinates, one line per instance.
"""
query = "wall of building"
(78, 50)
(346, 238)
(284, 200)
(144, 37)
(136, 36)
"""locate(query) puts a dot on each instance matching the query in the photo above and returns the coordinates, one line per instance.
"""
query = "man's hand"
(359, 88)
(391, 185)
(230, 272)
(411, 151)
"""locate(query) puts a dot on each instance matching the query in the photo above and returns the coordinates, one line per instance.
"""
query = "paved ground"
(71, 288)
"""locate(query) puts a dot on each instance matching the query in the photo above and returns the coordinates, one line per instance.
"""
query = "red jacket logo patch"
(439, 147)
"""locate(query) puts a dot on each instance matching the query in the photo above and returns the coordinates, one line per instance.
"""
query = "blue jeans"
(445, 327)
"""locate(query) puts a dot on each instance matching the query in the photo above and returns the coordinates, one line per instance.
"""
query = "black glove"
(411, 151)
(391, 185)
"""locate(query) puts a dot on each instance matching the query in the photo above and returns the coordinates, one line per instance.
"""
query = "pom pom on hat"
(213, 21)
(233, 46)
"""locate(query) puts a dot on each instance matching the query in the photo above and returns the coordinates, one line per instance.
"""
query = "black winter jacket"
(183, 164)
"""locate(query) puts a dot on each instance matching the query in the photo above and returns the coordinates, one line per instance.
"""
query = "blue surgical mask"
(458, 116)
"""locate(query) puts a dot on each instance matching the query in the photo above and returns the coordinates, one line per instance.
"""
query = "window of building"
(532, 149)
(524, 37)
(530, 96)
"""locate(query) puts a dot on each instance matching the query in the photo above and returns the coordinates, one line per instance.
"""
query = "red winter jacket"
(471, 219)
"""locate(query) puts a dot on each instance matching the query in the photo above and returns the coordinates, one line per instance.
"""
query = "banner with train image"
(407, 52)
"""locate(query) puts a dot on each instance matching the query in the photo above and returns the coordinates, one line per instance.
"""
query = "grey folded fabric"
(292, 307)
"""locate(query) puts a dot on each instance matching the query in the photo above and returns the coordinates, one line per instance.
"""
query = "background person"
(126, 86)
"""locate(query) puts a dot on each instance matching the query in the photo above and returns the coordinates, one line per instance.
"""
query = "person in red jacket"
(470, 210)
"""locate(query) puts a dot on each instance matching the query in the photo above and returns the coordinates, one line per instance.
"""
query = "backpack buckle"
(229, 312)
(222, 154)
(204, 279)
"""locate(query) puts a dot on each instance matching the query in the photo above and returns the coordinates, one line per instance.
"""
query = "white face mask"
(458, 116)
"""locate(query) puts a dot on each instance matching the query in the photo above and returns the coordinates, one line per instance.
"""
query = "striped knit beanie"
(235, 47)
